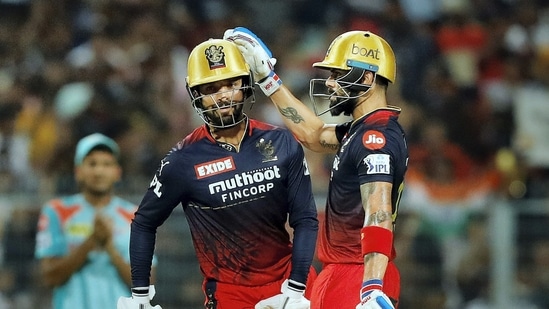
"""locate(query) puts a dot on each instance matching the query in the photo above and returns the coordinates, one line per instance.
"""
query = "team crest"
(267, 150)
(215, 56)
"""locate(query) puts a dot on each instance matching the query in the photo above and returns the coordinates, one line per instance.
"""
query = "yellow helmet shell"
(361, 49)
(215, 60)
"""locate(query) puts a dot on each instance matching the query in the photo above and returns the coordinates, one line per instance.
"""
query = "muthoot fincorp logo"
(256, 182)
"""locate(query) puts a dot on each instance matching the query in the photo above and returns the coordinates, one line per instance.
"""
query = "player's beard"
(340, 105)
(221, 118)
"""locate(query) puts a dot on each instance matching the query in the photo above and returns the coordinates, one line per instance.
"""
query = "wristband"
(369, 286)
(293, 288)
(376, 239)
(270, 83)
(140, 291)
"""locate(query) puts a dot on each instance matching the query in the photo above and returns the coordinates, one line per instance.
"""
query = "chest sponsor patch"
(378, 163)
(215, 167)
(373, 140)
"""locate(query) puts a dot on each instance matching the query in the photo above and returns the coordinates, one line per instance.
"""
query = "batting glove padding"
(141, 299)
(291, 297)
(258, 56)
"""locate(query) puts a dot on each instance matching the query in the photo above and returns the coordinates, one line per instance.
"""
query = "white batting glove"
(258, 56)
(141, 299)
(291, 297)
(375, 299)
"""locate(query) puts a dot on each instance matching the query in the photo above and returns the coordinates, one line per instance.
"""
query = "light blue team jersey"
(63, 225)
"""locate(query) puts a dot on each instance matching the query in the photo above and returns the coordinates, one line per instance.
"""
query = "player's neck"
(231, 135)
(370, 103)
(97, 200)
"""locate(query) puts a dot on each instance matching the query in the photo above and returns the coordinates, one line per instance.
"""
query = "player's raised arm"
(309, 129)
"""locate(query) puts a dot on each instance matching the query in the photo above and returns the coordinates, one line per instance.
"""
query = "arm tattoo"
(378, 217)
(368, 188)
(374, 195)
(291, 113)
(324, 144)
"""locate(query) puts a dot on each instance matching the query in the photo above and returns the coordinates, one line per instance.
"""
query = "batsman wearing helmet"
(239, 182)
(356, 239)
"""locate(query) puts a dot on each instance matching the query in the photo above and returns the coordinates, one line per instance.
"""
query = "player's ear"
(368, 78)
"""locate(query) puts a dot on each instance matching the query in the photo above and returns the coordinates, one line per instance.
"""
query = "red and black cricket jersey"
(373, 149)
(236, 203)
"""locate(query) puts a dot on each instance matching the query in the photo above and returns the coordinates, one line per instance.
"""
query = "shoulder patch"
(373, 140)
(378, 163)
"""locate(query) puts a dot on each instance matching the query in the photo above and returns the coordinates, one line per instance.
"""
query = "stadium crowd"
(472, 81)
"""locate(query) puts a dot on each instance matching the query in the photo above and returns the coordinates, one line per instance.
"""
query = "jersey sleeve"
(342, 129)
(302, 214)
(50, 239)
(163, 195)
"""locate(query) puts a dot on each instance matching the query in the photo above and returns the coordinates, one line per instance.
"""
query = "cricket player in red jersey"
(239, 181)
(356, 240)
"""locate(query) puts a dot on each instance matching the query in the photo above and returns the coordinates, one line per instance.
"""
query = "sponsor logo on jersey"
(79, 229)
(215, 167)
(378, 163)
(373, 140)
(247, 184)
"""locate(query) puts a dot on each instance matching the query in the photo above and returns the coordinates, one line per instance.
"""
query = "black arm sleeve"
(142, 241)
(305, 235)
(156, 206)
(303, 217)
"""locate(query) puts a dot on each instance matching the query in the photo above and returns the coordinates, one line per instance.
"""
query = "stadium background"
(473, 83)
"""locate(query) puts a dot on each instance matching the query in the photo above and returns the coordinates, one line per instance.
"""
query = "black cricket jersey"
(373, 149)
(236, 203)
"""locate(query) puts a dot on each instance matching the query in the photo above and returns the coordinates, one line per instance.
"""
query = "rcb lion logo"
(215, 56)
(267, 150)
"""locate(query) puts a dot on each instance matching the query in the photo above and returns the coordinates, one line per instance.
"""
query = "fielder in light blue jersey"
(82, 241)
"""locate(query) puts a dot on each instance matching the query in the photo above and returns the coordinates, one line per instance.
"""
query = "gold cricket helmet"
(215, 60)
(360, 49)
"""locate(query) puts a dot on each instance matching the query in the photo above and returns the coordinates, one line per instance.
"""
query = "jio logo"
(373, 139)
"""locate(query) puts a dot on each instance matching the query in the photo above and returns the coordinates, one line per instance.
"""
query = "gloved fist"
(375, 299)
(258, 56)
(291, 297)
(141, 298)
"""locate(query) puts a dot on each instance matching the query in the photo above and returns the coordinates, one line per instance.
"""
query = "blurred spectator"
(82, 241)
(14, 167)
(531, 118)
(445, 187)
